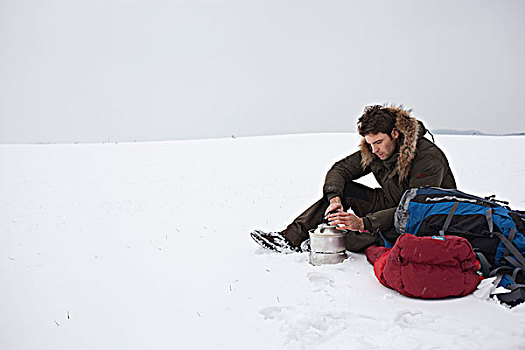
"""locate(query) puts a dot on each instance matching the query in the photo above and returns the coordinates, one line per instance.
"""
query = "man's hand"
(335, 205)
(348, 221)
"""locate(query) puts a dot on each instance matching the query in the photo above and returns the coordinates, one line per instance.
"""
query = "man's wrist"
(335, 200)
(361, 224)
(330, 195)
(367, 225)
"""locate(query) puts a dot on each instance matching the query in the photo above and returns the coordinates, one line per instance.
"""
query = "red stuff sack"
(429, 267)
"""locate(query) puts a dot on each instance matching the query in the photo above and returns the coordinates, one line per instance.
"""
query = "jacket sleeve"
(382, 220)
(343, 171)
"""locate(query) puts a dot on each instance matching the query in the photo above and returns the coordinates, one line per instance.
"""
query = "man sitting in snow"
(394, 150)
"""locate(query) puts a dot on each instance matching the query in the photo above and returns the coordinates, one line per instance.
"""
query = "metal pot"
(327, 245)
(318, 259)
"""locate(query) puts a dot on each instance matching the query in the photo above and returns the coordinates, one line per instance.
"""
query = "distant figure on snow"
(394, 150)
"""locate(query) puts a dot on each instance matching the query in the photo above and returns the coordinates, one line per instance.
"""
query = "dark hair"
(376, 119)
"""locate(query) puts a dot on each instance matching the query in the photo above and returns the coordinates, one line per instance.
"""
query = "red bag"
(427, 267)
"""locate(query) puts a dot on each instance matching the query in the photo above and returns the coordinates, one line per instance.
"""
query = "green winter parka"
(418, 162)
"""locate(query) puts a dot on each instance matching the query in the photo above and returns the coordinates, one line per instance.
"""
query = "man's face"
(382, 145)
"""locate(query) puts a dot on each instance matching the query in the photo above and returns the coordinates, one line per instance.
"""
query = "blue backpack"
(494, 230)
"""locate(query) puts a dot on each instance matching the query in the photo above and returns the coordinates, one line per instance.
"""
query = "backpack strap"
(517, 290)
(515, 296)
(490, 221)
(449, 219)
(515, 274)
(485, 265)
(520, 259)
(511, 260)
(492, 198)
(512, 234)
(499, 272)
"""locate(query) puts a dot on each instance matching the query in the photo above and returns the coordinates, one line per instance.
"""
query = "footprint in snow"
(320, 280)
(308, 326)
(413, 319)
(271, 312)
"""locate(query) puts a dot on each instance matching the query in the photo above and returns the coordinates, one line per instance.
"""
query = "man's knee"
(360, 198)
(359, 191)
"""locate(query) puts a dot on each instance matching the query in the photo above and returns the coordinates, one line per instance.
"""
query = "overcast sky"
(115, 70)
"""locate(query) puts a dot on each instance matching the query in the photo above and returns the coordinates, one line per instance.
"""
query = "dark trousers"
(362, 199)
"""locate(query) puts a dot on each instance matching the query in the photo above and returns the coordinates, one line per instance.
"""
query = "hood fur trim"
(410, 128)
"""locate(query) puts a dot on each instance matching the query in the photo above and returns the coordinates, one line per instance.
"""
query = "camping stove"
(327, 245)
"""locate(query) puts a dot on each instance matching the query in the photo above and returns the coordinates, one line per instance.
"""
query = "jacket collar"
(411, 131)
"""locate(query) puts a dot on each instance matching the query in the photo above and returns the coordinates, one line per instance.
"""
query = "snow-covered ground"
(146, 246)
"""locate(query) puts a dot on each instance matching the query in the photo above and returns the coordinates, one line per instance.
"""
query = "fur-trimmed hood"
(411, 130)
